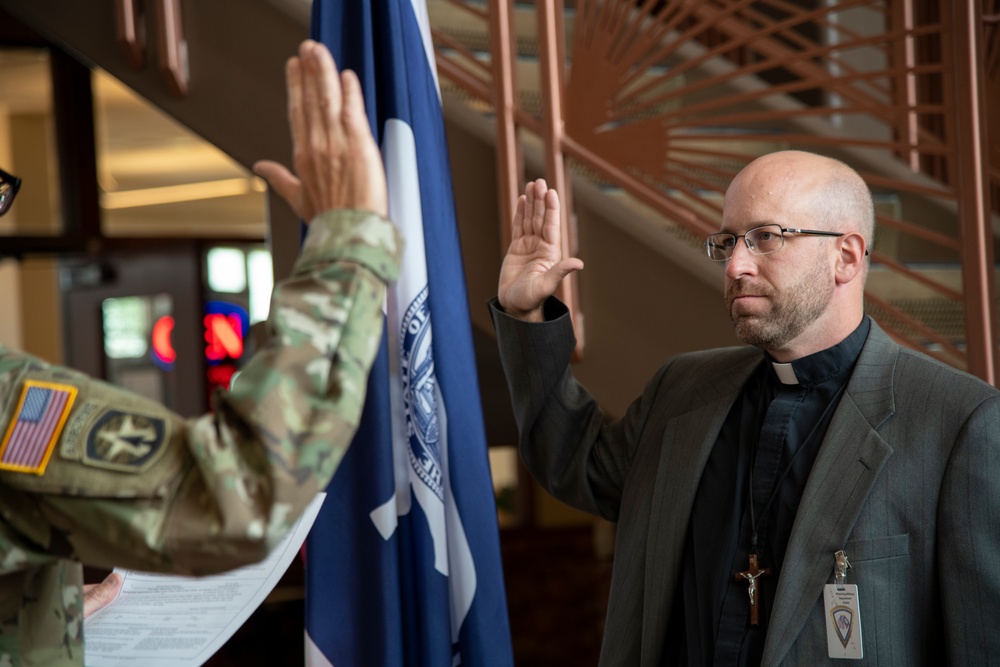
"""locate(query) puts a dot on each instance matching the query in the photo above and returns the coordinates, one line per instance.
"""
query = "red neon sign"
(224, 336)
(162, 346)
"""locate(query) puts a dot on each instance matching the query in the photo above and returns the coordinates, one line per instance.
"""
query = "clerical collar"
(785, 373)
(825, 364)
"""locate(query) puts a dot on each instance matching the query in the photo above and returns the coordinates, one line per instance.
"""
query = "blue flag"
(403, 564)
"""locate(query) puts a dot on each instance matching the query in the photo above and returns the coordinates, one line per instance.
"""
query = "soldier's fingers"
(353, 115)
(98, 596)
(296, 106)
(312, 152)
(286, 184)
(329, 91)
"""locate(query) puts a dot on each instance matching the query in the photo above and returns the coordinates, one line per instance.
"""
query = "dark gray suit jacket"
(907, 482)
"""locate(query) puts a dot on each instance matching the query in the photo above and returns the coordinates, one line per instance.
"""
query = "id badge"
(843, 621)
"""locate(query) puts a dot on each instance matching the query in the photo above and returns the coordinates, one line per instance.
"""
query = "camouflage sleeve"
(127, 483)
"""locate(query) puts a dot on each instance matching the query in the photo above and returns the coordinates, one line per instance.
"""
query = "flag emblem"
(417, 370)
(33, 432)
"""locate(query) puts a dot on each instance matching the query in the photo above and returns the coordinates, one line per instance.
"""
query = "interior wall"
(29, 303)
(10, 304)
(41, 326)
(34, 159)
(473, 172)
(29, 287)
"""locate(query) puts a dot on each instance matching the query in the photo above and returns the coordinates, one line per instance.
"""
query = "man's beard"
(792, 311)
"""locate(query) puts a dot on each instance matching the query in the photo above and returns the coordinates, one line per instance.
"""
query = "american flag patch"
(34, 431)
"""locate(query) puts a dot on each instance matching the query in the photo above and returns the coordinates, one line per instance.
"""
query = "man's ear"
(852, 257)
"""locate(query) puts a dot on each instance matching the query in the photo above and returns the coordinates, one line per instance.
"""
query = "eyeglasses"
(760, 240)
(9, 185)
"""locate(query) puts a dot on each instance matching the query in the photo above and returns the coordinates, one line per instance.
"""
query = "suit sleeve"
(566, 440)
(968, 558)
(131, 484)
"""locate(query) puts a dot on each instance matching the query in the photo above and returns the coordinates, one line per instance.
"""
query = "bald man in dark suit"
(817, 495)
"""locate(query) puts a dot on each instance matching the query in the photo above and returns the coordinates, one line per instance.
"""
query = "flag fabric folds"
(403, 563)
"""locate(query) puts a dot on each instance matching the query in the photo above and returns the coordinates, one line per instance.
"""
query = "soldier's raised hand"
(337, 162)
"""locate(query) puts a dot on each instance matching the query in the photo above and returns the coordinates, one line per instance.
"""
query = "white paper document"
(161, 620)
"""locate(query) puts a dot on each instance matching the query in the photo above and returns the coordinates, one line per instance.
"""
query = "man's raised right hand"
(534, 265)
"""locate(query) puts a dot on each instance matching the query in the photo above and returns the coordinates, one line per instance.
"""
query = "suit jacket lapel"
(846, 469)
(687, 444)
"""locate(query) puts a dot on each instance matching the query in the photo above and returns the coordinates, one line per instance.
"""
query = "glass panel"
(261, 272)
(137, 345)
(126, 327)
(159, 179)
(227, 271)
(28, 142)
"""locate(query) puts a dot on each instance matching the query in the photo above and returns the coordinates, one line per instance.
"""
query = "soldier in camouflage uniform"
(90, 474)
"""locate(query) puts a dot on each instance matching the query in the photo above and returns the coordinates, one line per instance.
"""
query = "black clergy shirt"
(770, 437)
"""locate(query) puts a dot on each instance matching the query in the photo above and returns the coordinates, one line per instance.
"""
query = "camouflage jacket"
(90, 474)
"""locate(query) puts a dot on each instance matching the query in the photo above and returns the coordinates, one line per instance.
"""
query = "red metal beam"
(973, 202)
(510, 161)
(551, 53)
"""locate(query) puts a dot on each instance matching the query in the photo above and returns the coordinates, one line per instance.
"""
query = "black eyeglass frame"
(7, 194)
(751, 247)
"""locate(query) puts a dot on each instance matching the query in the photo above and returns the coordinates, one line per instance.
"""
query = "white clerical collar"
(785, 373)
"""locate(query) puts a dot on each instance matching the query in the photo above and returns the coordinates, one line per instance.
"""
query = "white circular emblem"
(419, 394)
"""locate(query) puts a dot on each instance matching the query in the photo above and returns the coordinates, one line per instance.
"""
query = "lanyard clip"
(840, 568)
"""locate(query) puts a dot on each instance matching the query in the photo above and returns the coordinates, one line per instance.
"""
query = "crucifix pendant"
(751, 575)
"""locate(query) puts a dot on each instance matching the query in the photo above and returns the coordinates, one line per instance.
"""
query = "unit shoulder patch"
(125, 441)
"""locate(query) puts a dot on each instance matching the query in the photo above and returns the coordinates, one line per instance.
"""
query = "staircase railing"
(668, 99)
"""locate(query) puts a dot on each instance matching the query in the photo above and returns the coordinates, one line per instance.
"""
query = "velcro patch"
(34, 430)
